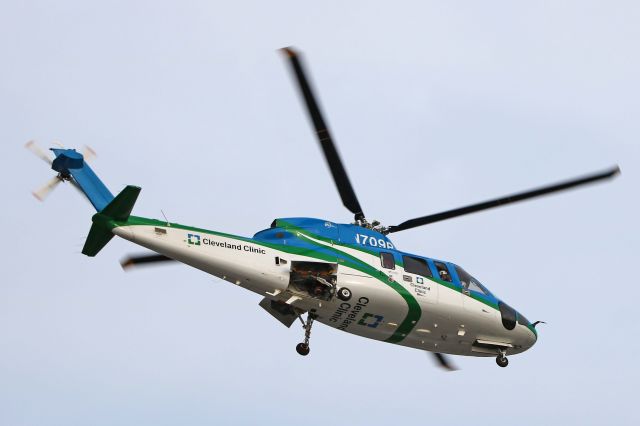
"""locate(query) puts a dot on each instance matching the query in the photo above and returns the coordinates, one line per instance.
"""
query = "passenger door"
(448, 297)
(416, 277)
(388, 264)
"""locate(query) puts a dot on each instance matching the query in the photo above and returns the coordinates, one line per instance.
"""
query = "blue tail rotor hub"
(66, 159)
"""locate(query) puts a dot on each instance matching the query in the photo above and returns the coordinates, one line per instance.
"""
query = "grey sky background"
(433, 104)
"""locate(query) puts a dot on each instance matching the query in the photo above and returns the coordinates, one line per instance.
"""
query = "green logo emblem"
(193, 239)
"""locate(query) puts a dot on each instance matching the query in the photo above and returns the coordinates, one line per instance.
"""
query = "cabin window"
(415, 265)
(387, 260)
(470, 283)
(443, 271)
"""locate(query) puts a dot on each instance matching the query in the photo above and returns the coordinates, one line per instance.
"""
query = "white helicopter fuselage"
(348, 276)
(391, 305)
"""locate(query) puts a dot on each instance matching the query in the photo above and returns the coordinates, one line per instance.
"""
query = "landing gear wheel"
(502, 361)
(344, 294)
(302, 349)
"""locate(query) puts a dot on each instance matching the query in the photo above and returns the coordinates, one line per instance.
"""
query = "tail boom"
(70, 163)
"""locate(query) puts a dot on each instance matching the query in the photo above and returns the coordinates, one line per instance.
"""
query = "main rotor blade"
(443, 361)
(514, 198)
(338, 171)
(146, 259)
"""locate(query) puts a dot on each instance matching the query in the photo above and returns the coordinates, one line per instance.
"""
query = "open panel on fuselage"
(313, 279)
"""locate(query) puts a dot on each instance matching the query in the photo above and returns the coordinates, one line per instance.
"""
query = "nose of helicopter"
(523, 334)
(527, 334)
(522, 337)
(531, 338)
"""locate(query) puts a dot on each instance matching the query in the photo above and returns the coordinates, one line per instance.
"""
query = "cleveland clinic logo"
(370, 320)
(193, 239)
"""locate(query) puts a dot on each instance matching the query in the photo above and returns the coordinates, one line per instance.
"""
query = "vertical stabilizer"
(118, 210)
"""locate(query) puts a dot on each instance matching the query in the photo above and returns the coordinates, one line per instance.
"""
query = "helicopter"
(349, 276)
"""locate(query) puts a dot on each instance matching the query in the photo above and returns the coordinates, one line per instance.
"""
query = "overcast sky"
(433, 104)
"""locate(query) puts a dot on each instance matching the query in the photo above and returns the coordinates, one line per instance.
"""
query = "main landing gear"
(303, 348)
(502, 360)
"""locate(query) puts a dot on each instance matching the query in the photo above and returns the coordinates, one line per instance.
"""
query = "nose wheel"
(502, 360)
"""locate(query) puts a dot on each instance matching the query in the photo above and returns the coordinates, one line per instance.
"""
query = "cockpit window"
(522, 320)
(415, 265)
(470, 283)
(443, 272)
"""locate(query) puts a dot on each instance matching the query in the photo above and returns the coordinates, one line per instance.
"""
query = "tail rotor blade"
(38, 152)
(42, 193)
(146, 259)
(88, 153)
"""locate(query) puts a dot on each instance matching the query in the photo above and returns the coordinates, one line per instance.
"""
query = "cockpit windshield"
(470, 283)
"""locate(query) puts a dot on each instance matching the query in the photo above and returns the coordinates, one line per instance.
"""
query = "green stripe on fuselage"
(414, 311)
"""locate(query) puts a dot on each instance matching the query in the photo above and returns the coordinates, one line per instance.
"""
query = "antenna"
(165, 218)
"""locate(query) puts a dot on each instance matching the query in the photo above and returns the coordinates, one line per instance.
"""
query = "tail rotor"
(39, 152)
(47, 188)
